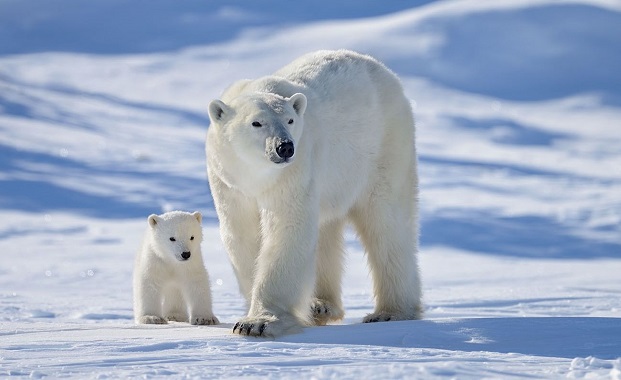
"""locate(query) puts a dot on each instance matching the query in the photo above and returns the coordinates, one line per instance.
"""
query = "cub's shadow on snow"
(550, 337)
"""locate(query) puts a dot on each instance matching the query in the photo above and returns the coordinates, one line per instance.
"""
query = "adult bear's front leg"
(285, 271)
(239, 229)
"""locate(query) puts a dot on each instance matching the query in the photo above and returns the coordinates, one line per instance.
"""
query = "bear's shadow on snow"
(563, 337)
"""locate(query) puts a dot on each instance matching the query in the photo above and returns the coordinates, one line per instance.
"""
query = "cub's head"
(176, 235)
(260, 127)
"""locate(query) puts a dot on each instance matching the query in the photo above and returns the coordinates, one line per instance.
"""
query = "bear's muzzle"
(280, 150)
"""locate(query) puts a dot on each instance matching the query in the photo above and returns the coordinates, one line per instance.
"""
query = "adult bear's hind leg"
(388, 231)
(327, 304)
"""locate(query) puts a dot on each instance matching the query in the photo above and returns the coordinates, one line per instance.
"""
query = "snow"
(102, 122)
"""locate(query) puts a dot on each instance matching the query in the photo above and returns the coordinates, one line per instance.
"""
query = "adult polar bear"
(291, 158)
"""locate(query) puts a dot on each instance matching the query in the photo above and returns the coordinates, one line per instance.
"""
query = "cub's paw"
(209, 320)
(269, 326)
(151, 320)
(324, 311)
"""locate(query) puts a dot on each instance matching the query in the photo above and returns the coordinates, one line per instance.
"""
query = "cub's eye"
(290, 121)
(191, 237)
(173, 239)
(256, 124)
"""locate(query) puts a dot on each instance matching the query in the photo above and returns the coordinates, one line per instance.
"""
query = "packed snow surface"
(518, 107)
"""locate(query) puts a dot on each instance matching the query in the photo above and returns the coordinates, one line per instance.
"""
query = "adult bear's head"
(260, 126)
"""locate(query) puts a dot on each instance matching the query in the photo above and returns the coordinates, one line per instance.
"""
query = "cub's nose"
(186, 255)
(285, 149)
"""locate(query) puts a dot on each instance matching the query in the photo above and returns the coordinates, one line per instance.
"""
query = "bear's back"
(326, 71)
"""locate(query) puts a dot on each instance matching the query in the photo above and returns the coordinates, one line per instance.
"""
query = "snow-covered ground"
(518, 106)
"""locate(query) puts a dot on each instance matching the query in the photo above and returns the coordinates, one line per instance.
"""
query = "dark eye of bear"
(256, 124)
(173, 239)
(191, 237)
(290, 121)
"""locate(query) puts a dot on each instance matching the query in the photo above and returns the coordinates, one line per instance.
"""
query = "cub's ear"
(154, 220)
(198, 216)
(298, 102)
(218, 111)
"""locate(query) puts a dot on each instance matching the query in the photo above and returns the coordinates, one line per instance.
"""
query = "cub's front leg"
(147, 303)
(198, 295)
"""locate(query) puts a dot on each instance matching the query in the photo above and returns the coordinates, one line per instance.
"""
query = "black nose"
(285, 149)
(186, 255)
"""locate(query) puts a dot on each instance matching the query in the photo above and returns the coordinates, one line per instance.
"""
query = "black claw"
(237, 325)
(261, 328)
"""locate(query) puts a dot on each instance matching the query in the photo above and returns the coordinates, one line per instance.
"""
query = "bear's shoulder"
(271, 84)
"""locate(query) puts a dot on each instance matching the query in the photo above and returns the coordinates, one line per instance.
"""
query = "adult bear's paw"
(152, 320)
(268, 326)
(383, 316)
(324, 311)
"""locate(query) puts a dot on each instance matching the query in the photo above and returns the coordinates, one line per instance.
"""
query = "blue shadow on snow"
(530, 236)
(559, 337)
(506, 131)
(47, 194)
(125, 26)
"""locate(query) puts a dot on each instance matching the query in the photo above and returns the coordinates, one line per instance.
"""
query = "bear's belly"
(335, 208)
(341, 187)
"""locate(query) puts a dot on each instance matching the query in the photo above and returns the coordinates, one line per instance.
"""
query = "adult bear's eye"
(256, 124)
(290, 121)
(191, 237)
(173, 239)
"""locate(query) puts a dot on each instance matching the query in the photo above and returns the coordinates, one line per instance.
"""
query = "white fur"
(354, 161)
(168, 287)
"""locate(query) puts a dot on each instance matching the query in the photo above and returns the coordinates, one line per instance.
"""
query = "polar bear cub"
(295, 156)
(170, 279)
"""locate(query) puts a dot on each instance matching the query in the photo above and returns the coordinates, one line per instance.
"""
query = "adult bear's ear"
(218, 111)
(298, 102)
(154, 220)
